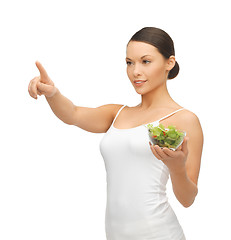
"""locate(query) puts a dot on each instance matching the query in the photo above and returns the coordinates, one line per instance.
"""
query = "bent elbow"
(187, 205)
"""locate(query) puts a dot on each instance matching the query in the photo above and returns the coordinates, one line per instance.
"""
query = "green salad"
(165, 137)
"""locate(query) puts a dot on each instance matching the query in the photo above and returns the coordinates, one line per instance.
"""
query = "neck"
(157, 98)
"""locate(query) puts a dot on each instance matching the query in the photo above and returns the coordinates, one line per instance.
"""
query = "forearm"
(62, 107)
(184, 189)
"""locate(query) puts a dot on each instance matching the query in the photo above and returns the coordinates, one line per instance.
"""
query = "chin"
(141, 92)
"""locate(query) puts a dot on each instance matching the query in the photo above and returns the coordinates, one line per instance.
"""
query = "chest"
(132, 119)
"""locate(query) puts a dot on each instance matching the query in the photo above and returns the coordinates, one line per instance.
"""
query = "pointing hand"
(41, 85)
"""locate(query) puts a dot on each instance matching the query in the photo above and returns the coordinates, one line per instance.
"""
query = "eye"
(128, 63)
(147, 61)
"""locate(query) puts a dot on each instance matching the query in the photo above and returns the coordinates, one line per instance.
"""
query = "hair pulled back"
(162, 41)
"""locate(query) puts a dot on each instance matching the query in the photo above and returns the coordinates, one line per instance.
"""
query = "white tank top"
(137, 205)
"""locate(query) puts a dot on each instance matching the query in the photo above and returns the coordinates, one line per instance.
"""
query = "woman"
(137, 171)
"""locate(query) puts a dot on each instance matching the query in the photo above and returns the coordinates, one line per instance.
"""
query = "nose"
(137, 70)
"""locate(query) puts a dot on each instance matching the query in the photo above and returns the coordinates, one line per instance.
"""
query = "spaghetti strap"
(118, 113)
(170, 114)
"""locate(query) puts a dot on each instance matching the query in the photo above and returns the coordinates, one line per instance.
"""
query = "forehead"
(138, 49)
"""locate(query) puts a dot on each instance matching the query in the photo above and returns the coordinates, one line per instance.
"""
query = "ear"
(171, 63)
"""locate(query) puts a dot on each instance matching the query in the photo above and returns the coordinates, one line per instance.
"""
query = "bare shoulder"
(189, 118)
(115, 108)
(111, 107)
(190, 122)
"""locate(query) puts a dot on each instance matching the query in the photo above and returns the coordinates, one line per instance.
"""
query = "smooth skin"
(183, 164)
(156, 99)
(41, 85)
(154, 68)
(66, 111)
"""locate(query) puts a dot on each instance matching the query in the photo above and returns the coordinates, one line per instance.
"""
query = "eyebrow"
(141, 57)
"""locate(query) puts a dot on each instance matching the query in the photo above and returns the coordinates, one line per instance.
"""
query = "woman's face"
(144, 62)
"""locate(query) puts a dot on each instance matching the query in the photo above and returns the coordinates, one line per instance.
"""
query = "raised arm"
(96, 120)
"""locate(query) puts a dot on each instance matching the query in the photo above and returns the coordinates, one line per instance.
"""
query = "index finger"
(41, 69)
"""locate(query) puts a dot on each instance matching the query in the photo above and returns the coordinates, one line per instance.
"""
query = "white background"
(52, 175)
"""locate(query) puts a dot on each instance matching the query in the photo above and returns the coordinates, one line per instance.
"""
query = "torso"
(131, 117)
(137, 204)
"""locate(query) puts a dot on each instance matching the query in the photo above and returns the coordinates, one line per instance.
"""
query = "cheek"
(156, 72)
(129, 73)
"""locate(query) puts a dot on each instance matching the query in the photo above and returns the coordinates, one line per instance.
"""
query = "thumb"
(47, 90)
(185, 145)
(42, 87)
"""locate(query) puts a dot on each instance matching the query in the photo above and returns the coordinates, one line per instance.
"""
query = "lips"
(139, 81)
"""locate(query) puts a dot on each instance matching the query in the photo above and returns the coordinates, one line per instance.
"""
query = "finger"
(39, 93)
(168, 152)
(44, 88)
(154, 152)
(160, 152)
(29, 86)
(185, 145)
(42, 70)
(32, 88)
(179, 148)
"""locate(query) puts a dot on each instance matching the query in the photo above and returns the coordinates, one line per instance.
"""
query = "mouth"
(139, 82)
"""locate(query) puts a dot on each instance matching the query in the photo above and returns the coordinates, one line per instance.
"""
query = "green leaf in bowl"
(166, 137)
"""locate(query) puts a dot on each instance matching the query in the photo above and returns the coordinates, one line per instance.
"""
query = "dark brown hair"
(162, 41)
